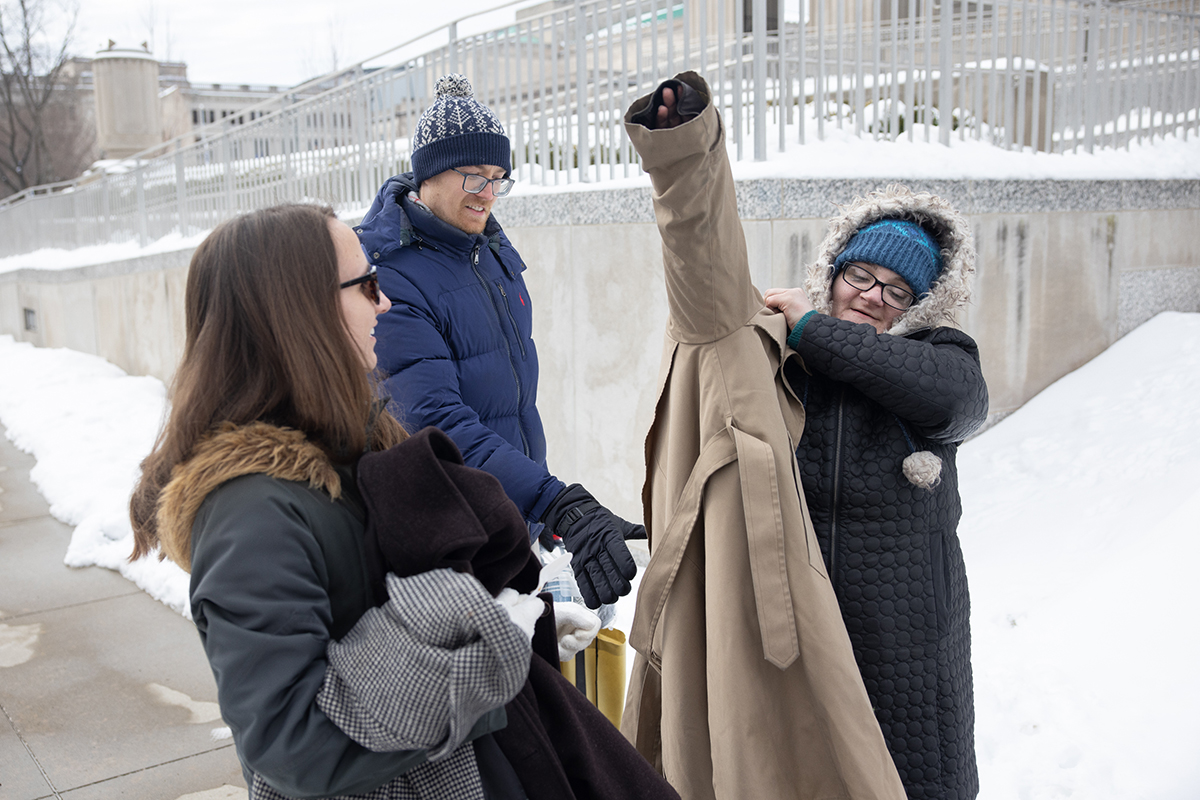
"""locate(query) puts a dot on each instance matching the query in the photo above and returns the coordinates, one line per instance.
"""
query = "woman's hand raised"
(793, 303)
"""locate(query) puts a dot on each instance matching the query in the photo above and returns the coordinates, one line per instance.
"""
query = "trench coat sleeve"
(423, 381)
(261, 605)
(704, 248)
(745, 683)
(931, 380)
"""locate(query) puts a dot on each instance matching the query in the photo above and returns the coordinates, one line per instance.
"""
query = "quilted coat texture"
(892, 548)
(745, 684)
(456, 347)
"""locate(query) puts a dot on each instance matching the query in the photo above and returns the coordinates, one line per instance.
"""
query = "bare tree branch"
(32, 151)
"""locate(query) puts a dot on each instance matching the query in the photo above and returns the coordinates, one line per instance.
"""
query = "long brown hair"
(265, 341)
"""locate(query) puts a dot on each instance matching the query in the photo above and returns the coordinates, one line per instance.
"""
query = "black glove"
(596, 539)
(548, 539)
(688, 104)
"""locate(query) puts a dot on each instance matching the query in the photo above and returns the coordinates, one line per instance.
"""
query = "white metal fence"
(1054, 75)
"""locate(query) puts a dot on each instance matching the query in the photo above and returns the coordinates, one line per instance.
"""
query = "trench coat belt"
(765, 537)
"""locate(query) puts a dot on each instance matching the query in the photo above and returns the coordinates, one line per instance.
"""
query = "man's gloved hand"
(596, 538)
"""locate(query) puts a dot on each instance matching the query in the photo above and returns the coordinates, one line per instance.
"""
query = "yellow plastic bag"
(599, 672)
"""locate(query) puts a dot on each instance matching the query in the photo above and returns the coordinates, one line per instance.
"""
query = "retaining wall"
(1065, 268)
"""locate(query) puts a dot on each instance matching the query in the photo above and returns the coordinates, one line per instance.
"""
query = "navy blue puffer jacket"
(456, 348)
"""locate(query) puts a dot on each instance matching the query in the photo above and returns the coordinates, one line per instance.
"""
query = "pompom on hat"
(458, 131)
(904, 247)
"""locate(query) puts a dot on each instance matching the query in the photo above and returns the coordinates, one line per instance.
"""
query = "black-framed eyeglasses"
(369, 283)
(474, 184)
(895, 296)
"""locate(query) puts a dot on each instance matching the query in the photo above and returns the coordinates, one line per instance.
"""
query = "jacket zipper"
(837, 477)
(511, 318)
(507, 346)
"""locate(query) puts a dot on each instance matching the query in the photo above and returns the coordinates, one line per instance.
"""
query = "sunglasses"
(368, 282)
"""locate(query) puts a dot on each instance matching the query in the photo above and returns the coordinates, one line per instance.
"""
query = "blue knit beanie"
(904, 247)
(458, 131)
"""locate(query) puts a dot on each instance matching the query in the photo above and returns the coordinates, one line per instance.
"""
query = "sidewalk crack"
(29, 750)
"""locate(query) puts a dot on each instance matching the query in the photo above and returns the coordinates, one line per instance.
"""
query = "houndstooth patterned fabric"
(417, 672)
(452, 778)
(455, 111)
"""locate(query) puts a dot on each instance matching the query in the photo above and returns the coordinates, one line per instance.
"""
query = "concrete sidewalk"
(104, 692)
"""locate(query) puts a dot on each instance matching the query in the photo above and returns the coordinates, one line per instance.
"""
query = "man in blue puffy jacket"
(457, 348)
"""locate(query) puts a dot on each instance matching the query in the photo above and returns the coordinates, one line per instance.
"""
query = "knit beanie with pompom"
(458, 131)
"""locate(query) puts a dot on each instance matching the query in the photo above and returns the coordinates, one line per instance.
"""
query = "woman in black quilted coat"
(890, 391)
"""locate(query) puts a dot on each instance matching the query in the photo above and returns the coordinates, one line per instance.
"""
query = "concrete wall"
(1065, 268)
(130, 312)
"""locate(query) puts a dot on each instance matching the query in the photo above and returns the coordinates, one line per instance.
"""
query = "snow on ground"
(1081, 531)
(89, 425)
(1081, 528)
(841, 154)
(53, 258)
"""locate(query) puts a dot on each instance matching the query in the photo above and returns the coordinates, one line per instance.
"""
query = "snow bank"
(89, 425)
(1081, 531)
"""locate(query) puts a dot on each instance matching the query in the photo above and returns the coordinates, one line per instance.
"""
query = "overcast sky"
(282, 42)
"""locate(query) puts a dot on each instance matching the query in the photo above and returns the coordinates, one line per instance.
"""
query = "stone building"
(132, 101)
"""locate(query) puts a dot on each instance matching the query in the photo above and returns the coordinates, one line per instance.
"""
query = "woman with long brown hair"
(251, 487)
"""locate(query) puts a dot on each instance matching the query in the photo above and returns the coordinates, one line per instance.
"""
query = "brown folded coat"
(745, 685)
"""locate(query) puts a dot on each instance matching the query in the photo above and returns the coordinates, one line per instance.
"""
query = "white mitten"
(523, 609)
(577, 627)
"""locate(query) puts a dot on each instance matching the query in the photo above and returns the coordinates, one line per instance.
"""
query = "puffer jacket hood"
(389, 224)
(381, 240)
(952, 289)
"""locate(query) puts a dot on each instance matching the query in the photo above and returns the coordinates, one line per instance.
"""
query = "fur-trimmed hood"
(950, 229)
(229, 452)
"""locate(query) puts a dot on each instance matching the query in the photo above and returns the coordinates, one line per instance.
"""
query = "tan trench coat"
(744, 685)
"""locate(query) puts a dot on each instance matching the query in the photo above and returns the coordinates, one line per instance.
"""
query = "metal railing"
(1054, 75)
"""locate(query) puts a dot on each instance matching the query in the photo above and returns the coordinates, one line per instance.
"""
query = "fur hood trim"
(952, 289)
(229, 452)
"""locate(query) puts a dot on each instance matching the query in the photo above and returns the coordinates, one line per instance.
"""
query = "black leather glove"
(596, 539)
